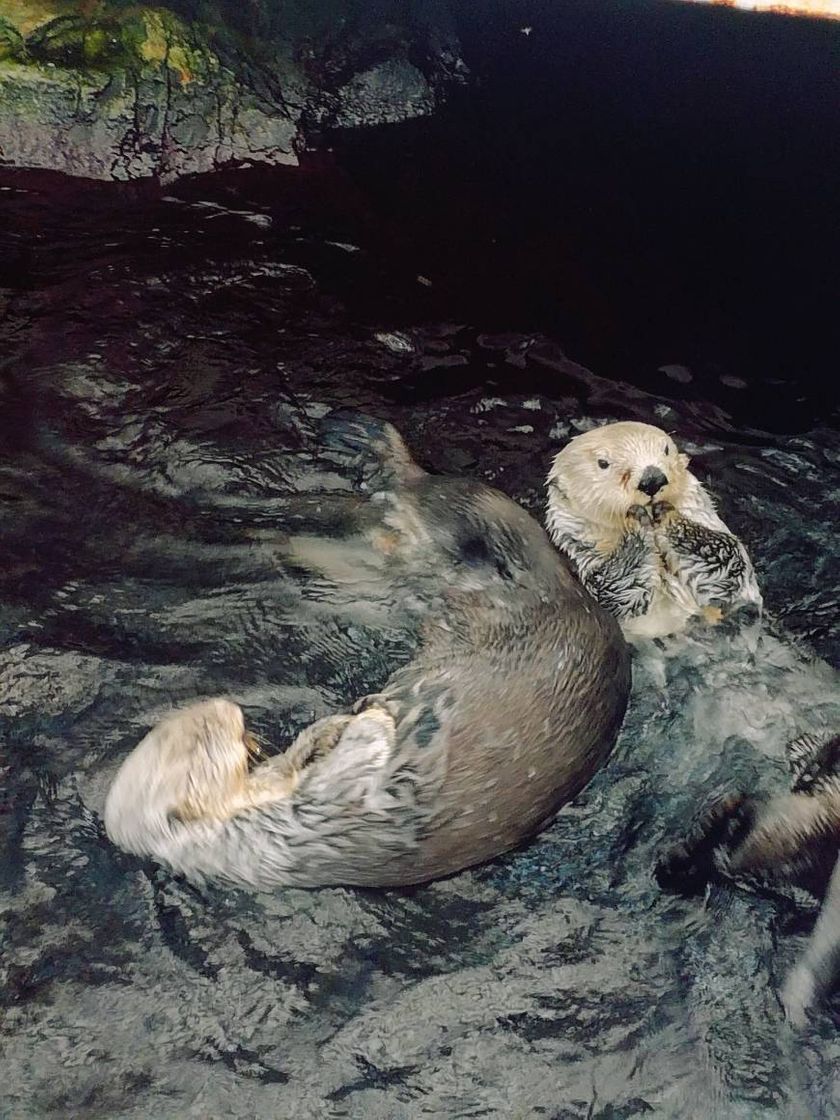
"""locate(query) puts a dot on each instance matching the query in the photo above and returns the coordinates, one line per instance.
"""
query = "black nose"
(652, 481)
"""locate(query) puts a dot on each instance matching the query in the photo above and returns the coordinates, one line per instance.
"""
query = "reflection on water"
(167, 361)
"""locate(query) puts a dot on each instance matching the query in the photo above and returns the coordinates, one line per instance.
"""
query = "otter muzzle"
(652, 481)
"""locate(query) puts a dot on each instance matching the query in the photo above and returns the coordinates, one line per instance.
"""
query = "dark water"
(166, 359)
(652, 182)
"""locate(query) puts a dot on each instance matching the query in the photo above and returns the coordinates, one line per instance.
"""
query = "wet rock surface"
(110, 91)
(167, 363)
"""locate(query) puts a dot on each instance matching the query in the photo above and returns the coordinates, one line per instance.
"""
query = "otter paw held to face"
(638, 518)
(661, 513)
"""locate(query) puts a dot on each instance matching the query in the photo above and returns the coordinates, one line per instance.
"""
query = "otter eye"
(603, 464)
(666, 448)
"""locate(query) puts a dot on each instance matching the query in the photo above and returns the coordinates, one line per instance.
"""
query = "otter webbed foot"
(370, 446)
(686, 867)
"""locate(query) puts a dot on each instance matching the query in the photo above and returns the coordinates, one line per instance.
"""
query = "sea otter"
(792, 839)
(511, 703)
(642, 532)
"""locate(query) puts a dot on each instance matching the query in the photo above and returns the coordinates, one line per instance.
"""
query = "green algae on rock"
(12, 47)
(111, 90)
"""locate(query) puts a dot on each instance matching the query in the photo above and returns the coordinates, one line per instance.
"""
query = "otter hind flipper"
(814, 762)
(373, 448)
(686, 867)
(818, 970)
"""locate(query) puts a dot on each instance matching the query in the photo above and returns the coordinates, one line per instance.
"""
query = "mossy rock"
(74, 42)
(137, 39)
(164, 39)
(12, 46)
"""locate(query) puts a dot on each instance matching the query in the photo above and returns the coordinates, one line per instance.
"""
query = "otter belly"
(671, 606)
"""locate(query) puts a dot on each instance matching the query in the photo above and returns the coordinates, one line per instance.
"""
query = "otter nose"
(652, 481)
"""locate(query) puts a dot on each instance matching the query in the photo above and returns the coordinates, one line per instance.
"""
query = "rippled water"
(167, 360)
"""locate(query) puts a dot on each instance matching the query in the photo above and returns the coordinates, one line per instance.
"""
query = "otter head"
(604, 472)
(193, 765)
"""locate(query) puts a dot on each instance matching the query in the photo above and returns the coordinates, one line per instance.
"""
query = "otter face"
(604, 472)
(193, 765)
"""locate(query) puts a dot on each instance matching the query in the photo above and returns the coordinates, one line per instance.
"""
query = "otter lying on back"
(642, 532)
(512, 702)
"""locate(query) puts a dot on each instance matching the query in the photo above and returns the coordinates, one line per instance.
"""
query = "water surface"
(166, 362)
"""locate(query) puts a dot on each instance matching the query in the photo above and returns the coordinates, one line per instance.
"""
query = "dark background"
(649, 182)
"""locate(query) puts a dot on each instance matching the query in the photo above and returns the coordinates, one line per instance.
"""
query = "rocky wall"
(111, 90)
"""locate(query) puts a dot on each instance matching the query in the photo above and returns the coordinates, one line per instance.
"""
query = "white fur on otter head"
(186, 797)
(642, 532)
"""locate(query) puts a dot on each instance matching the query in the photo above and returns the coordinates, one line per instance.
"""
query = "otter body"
(512, 702)
(793, 839)
(641, 531)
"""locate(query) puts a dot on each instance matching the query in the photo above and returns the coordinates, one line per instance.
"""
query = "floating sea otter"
(642, 532)
(511, 703)
(792, 839)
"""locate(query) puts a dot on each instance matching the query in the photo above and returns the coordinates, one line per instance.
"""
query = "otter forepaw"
(316, 741)
(661, 513)
(374, 700)
(637, 518)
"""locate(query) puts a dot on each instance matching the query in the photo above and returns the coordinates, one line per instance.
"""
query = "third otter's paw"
(661, 513)
(712, 614)
(799, 995)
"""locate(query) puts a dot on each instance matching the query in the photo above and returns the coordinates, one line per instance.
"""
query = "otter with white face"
(641, 531)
